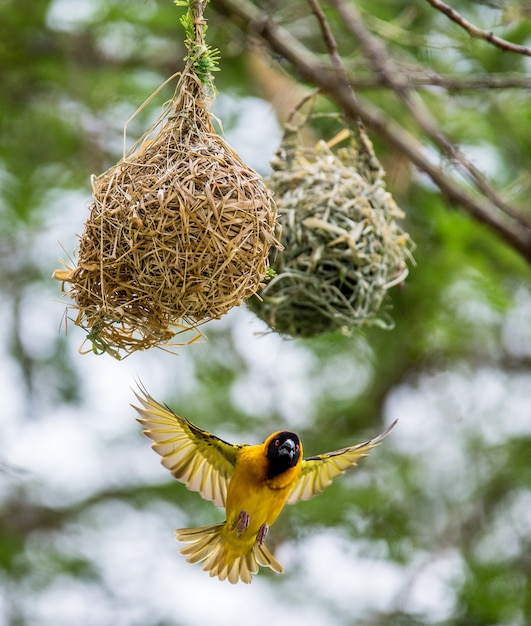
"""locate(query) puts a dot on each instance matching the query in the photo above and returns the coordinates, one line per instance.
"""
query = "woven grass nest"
(343, 248)
(179, 232)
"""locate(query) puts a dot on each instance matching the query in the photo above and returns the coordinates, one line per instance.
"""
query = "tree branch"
(426, 78)
(478, 32)
(328, 37)
(513, 229)
(383, 64)
(416, 77)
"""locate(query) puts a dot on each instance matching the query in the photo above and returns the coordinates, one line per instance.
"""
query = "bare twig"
(415, 78)
(427, 78)
(328, 37)
(473, 30)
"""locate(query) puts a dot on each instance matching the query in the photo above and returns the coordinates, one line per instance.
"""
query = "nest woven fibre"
(179, 232)
(342, 247)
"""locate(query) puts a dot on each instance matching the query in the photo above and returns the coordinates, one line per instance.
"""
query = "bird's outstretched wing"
(317, 472)
(201, 461)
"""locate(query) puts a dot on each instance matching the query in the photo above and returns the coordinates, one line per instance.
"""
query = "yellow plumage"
(252, 483)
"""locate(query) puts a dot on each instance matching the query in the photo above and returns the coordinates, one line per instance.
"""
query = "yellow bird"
(252, 483)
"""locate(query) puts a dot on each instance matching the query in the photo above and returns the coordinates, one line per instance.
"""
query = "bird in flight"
(252, 483)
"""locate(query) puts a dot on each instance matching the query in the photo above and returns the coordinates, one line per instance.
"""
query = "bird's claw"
(241, 523)
(262, 533)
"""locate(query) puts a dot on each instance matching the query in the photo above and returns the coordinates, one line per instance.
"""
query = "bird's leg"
(262, 533)
(241, 523)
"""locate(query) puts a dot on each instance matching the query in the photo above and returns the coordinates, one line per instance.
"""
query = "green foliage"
(454, 478)
(204, 58)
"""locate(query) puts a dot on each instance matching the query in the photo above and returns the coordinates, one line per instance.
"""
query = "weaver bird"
(252, 483)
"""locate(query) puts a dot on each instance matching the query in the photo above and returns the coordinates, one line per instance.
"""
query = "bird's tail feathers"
(207, 544)
(266, 559)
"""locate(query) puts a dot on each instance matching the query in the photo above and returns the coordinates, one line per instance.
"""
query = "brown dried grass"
(179, 232)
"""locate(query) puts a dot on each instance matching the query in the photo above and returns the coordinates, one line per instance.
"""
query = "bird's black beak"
(287, 448)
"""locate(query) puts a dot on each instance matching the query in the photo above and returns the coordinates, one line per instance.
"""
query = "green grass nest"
(343, 248)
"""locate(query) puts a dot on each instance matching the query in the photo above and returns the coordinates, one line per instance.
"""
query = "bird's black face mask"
(283, 452)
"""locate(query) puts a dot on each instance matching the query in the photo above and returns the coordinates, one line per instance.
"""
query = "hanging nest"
(179, 232)
(343, 249)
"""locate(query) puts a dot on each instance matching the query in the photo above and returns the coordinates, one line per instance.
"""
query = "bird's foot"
(241, 523)
(262, 534)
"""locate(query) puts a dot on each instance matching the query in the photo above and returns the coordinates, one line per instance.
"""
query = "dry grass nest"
(179, 232)
(343, 248)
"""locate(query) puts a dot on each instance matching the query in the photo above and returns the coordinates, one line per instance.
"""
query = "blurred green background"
(435, 526)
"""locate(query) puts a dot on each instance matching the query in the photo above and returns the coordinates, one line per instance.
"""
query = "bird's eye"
(277, 442)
